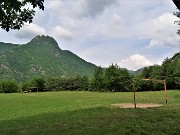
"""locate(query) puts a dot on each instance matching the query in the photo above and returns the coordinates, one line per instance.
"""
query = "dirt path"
(139, 105)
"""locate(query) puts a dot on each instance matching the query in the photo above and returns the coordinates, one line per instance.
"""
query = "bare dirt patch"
(139, 105)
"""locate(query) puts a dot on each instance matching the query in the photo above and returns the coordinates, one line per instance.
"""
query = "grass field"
(88, 113)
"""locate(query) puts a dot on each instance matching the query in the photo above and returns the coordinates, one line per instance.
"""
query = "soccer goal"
(153, 80)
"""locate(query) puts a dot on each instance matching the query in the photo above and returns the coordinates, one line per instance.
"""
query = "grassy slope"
(87, 113)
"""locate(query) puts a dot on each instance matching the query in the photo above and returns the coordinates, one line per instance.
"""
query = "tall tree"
(177, 3)
(170, 71)
(153, 72)
(15, 13)
(39, 82)
(85, 83)
(97, 82)
(117, 79)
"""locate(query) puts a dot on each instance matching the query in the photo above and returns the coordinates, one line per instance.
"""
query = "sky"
(130, 33)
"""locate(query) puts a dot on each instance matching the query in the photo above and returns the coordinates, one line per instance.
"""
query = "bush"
(67, 84)
(8, 86)
(26, 87)
(39, 82)
(54, 84)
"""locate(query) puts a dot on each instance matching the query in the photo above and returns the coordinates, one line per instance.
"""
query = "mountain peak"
(42, 40)
(40, 37)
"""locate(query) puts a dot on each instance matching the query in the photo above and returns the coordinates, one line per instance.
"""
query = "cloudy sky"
(131, 33)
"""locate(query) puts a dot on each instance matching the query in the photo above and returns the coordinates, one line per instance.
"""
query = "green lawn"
(88, 113)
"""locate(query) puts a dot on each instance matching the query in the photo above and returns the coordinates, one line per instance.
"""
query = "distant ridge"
(40, 57)
(6, 46)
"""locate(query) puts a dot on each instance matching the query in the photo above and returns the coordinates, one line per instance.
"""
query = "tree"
(171, 72)
(8, 86)
(39, 82)
(146, 73)
(26, 87)
(117, 79)
(153, 72)
(177, 3)
(112, 78)
(97, 82)
(84, 83)
(15, 13)
(55, 84)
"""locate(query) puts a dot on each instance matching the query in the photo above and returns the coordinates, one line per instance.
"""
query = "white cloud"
(62, 33)
(55, 4)
(135, 62)
(162, 31)
(109, 25)
(154, 43)
(71, 23)
(116, 19)
(30, 31)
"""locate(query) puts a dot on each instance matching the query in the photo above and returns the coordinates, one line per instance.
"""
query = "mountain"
(40, 57)
(6, 46)
(137, 72)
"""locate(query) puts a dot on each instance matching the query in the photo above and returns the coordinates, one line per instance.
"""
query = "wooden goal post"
(153, 80)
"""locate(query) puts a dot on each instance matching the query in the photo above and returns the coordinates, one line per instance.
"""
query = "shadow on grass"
(101, 120)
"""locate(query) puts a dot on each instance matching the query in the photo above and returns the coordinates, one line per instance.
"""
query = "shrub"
(8, 86)
(39, 82)
(26, 87)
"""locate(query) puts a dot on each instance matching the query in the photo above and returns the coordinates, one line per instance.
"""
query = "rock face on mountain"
(40, 57)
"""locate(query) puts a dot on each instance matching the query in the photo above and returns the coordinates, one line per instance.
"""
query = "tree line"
(111, 79)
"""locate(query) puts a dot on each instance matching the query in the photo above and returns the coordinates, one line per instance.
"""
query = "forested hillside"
(40, 57)
(6, 46)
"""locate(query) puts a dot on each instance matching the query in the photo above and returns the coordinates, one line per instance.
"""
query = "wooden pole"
(134, 89)
(165, 92)
(160, 81)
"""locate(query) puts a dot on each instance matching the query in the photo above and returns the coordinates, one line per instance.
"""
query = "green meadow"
(88, 113)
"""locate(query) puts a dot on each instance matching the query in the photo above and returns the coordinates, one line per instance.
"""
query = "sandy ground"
(138, 105)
